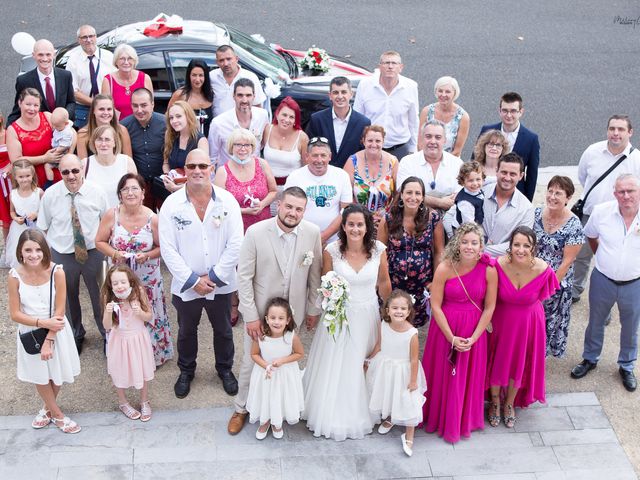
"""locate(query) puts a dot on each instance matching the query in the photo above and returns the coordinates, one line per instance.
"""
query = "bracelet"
(37, 321)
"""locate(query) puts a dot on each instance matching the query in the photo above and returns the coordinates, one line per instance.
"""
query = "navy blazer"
(321, 125)
(65, 97)
(528, 147)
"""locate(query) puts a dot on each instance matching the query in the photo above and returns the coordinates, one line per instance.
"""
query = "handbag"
(578, 207)
(33, 340)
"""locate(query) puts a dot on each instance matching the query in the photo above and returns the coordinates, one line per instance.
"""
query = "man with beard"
(279, 257)
(505, 207)
(244, 115)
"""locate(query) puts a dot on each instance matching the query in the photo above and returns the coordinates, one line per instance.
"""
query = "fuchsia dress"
(517, 346)
(455, 403)
(257, 187)
(122, 95)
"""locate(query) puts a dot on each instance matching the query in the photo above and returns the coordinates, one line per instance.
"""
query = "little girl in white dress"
(275, 388)
(395, 377)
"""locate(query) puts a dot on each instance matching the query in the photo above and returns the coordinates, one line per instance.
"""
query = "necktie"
(79, 245)
(93, 76)
(50, 97)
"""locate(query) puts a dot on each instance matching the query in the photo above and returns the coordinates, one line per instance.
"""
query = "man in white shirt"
(391, 100)
(505, 207)
(595, 161)
(201, 230)
(613, 231)
(435, 167)
(328, 188)
(224, 78)
(72, 244)
(243, 115)
(88, 66)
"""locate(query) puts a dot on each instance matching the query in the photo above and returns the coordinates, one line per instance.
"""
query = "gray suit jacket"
(261, 270)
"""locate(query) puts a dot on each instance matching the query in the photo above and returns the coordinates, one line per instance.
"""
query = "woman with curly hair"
(489, 148)
(336, 399)
(414, 238)
(463, 296)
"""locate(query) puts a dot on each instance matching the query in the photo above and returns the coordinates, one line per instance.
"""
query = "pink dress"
(517, 346)
(242, 191)
(129, 353)
(455, 403)
(122, 95)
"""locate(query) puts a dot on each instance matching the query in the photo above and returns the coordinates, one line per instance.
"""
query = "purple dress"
(455, 403)
(517, 346)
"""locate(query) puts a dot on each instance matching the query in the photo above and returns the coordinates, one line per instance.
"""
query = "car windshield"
(260, 57)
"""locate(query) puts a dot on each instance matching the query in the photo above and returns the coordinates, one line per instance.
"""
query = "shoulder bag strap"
(53, 269)
(604, 175)
(464, 288)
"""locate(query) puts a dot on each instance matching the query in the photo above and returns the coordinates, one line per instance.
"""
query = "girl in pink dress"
(517, 346)
(463, 296)
(129, 353)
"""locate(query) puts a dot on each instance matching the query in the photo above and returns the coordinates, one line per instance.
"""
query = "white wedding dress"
(335, 392)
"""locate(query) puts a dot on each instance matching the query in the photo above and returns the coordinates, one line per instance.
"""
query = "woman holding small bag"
(37, 296)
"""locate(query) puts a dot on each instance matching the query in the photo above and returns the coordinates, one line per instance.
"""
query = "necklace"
(552, 224)
(366, 170)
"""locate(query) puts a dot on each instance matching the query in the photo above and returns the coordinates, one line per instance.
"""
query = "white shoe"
(277, 434)
(406, 445)
(262, 435)
(382, 429)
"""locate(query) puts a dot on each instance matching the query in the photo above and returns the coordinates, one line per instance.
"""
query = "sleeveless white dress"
(279, 398)
(65, 364)
(336, 400)
(108, 177)
(23, 207)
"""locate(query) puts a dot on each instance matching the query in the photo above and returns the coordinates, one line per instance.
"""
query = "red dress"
(455, 403)
(122, 95)
(256, 187)
(518, 344)
(5, 189)
(35, 143)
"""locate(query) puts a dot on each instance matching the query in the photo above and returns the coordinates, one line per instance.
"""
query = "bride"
(336, 398)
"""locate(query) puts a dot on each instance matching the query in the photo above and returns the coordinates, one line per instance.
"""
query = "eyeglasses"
(494, 145)
(315, 140)
(86, 38)
(126, 59)
(75, 171)
(505, 111)
(193, 166)
(104, 140)
(242, 145)
(130, 189)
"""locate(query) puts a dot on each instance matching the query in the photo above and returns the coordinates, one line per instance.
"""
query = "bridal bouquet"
(334, 293)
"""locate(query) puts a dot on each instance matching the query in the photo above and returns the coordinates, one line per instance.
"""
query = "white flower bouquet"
(334, 294)
(316, 59)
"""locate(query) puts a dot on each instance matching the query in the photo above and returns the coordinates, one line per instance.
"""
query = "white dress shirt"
(43, 83)
(223, 92)
(446, 179)
(78, 65)
(510, 136)
(596, 160)
(339, 127)
(617, 254)
(500, 222)
(288, 240)
(396, 112)
(54, 215)
(191, 247)
(223, 125)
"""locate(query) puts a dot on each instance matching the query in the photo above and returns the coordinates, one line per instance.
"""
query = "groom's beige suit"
(262, 275)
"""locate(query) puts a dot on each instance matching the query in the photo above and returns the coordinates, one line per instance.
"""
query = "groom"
(279, 257)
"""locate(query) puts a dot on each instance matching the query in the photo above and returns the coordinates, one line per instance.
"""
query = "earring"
(509, 254)
(401, 203)
(421, 207)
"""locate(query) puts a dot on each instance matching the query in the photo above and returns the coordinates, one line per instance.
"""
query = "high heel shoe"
(494, 411)
(509, 416)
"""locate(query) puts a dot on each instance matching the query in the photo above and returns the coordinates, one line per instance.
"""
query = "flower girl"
(130, 359)
(395, 377)
(275, 388)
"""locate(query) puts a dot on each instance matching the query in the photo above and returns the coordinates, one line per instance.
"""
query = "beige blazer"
(261, 270)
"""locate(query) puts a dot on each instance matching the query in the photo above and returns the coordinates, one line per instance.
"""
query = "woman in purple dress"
(517, 347)
(463, 296)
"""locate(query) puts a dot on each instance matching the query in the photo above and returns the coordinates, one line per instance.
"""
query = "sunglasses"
(318, 140)
(75, 171)
(193, 166)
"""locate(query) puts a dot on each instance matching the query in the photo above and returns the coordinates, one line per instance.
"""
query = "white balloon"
(22, 42)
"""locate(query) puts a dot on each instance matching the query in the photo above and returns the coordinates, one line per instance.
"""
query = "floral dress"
(149, 273)
(411, 266)
(451, 128)
(557, 308)
(374, 195)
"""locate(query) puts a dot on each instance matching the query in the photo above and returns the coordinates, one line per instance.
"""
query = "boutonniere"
(218, 213)
(307, 259)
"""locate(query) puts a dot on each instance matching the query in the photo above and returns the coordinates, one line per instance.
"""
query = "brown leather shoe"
(236, 422)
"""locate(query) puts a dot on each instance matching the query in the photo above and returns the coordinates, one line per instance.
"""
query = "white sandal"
(129, 412)
(145, 411)
(68, 425)
(42, 420)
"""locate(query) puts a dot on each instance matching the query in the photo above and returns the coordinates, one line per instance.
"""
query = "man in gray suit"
(279, 257)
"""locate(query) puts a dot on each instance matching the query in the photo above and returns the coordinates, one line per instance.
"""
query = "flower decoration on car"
(316, 59)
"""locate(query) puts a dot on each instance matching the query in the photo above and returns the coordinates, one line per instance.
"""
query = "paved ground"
(569, 438)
